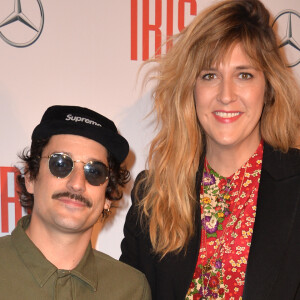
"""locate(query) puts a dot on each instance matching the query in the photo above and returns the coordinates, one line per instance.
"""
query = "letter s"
(69, 117)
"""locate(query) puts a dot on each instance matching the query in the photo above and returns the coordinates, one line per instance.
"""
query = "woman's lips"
(227, 116)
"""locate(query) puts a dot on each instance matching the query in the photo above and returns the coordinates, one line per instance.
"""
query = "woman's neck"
(227, 160)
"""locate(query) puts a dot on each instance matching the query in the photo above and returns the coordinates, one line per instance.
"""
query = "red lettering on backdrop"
(147, 27)
(169, 23)
(5, 198)
(156, 28)
(134, 29)
(193, 11)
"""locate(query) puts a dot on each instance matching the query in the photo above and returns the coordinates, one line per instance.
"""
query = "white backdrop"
(88, 54)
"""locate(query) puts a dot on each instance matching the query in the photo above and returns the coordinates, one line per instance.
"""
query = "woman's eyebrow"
(243, 67)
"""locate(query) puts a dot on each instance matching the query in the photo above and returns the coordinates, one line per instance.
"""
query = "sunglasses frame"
(91, 162)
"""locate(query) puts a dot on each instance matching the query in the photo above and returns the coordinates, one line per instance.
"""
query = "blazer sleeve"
(136, 246)
(130, 243)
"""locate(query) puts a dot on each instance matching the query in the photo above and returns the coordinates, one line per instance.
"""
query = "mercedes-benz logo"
(19, 16)
(287, 21)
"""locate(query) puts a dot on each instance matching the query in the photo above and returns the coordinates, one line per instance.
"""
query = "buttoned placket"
(63, 287)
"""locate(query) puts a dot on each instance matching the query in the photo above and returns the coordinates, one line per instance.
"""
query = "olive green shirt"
(25, 274)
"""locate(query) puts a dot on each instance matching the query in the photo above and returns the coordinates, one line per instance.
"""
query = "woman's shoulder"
(281, 164)
(142, 175)
(293, 154)
(139, 188)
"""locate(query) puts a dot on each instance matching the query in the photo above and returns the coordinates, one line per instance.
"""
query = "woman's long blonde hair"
(169, 198)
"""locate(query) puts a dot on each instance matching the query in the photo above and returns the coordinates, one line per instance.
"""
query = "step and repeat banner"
(89, 53)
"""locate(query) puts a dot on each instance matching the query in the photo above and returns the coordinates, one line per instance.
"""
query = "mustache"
(73, 196)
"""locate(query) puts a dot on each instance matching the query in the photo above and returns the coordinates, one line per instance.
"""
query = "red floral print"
(228, 208)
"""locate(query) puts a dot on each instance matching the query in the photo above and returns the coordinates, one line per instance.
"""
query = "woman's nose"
(227, 92)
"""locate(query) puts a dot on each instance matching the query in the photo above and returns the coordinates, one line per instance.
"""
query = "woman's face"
(229, 101)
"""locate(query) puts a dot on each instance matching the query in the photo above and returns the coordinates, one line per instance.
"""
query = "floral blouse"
(228, 208)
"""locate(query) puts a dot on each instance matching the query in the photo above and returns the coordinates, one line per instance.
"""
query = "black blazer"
(273, 269)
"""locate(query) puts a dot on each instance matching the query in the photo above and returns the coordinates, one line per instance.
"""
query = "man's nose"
(76, 180)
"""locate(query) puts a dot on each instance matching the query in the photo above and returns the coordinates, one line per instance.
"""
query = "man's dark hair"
(118, 175)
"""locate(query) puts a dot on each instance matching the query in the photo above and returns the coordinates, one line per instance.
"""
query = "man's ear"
(29, 183)
(107, 204)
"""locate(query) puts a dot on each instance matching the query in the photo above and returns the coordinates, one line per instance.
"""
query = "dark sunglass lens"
(60, 165)
(95, 172)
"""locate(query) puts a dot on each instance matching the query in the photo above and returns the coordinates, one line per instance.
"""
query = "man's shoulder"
(106, 261)
(5, 242)
(8, 251)
(129, 283)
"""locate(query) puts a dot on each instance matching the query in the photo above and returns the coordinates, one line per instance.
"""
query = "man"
(72, 173)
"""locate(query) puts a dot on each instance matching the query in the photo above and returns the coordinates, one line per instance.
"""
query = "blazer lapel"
(276, 208)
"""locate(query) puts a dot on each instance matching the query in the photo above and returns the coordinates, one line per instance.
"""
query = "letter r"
(9, 194)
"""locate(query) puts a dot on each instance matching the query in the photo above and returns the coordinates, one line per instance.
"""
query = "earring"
(106, 213)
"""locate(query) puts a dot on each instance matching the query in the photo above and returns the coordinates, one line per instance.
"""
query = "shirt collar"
(41, 268)
(86, 270)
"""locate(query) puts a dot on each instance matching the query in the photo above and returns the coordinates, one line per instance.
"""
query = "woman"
(217, 215)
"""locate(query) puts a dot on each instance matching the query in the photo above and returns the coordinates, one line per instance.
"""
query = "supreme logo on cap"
(70, 117)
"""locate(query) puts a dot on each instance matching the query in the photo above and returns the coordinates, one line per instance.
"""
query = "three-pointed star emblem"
(289, 38)
(19, 16)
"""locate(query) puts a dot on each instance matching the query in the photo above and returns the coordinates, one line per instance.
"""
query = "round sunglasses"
(61, 165)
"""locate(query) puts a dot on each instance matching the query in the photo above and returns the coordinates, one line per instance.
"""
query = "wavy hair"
(169, 197)
(118, 175)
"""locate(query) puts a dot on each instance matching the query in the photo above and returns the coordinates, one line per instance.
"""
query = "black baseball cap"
(63, 119)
